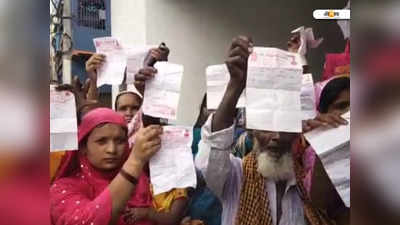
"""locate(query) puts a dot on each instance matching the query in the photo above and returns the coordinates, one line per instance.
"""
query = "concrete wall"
(128, 23)
(199, 33)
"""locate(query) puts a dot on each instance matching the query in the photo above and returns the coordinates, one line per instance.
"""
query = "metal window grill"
(92, 14)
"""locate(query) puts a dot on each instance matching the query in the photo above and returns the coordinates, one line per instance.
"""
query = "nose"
(111, 148)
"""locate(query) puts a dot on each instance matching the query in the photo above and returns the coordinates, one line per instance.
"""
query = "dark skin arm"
(236, 62)
(324, 196)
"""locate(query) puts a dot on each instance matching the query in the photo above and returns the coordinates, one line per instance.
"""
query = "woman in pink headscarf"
(97, 184)
(332, 100)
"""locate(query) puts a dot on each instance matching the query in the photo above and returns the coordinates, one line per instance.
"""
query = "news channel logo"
(331, 14)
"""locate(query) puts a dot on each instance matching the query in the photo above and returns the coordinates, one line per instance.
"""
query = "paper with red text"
(63, 122)
(112, 71)
(161, 96)
(217, 81)
(172, 166)
(274, 79)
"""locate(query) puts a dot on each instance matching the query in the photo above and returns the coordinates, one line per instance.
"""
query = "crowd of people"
(244, 176)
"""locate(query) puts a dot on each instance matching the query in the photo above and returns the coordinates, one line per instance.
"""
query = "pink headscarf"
(79, 194)
(337, 64)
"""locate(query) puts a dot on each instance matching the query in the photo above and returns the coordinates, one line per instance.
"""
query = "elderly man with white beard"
(265, 188)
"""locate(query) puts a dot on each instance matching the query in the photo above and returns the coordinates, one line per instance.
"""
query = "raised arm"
(236, 62)
(221, 170)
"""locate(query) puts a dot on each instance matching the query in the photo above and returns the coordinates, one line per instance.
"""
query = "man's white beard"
(275, 169)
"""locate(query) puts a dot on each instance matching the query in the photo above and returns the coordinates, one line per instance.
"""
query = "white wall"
(128, 23)
(199, 34)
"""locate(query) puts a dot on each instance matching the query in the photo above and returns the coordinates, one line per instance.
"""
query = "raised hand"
(93, 64)
(147, 143)
(236, 61)
(142, 76)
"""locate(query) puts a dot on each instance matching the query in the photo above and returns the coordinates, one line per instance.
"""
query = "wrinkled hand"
(147, 143)
(294, 43)
(329, 120)
(142, 76)
(236, 61)
(132, 215)
(93, 64)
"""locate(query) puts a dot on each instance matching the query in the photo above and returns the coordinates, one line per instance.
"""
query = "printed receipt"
(274, 81)
(172, 166)
(63, 122)
(112, 71)
(161, 96)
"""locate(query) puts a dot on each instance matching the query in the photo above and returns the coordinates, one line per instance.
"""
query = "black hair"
(332, 91)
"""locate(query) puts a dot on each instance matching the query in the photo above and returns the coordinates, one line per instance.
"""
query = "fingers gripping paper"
(172, 166)
(217, 81)
(161, 96)
(112, 71)
(63, 122)
(273, 87)
(333, 147)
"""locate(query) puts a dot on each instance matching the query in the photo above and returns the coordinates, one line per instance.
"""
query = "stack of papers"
(307, 97)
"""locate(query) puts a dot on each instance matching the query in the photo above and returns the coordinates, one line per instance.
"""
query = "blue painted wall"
(83, 39)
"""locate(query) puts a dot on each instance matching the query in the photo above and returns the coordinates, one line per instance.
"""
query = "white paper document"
(307, 40)
(63, 122)
(172, 166)
(274, 81)
(134, 61)
(333, 148)
(217, 82)
(161, 96)
(307, 97)
(112, 71)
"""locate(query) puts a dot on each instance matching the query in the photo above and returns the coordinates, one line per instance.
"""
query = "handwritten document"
(217, 81)
(172, 166)
(274, 80)
(112, 71)
(307, 97)
(333, 147)
(63, 122)
(161, 96)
